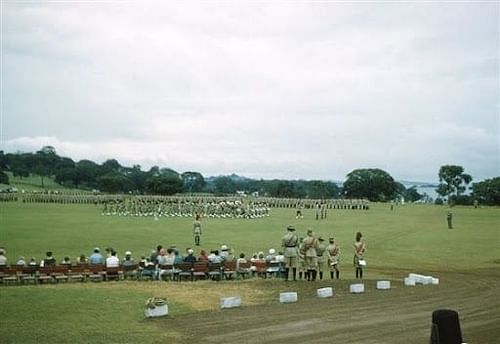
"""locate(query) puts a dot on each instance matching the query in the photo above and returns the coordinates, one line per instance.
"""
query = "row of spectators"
(158, 257)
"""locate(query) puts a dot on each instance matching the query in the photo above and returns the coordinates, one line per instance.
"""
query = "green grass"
(410, 238)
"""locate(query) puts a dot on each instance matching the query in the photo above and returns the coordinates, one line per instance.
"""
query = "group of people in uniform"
(311, 257)
(169, 207)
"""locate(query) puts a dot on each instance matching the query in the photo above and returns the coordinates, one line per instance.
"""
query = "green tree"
(224, 185)
(164, 185)
(372, 183)
(114, 182)
(4, 178)
(487, 191)
(452, 181)
(193, 181)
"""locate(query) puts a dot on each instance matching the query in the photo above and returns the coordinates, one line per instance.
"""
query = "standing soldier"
(321, 254)
(359, 251)
(333, 253)
(449, 218)
(197, 230)
(289, 243)
(310, 247)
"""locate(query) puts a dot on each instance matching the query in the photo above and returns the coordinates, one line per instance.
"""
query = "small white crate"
(383, 285)
(158, 311)
(325, 292)
(230, 302)
(357, 288)
(427, 280)
(409, 281)
(288, 297)
(435, 281)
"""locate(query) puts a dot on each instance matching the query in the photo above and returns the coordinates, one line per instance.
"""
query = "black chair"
(445, 327)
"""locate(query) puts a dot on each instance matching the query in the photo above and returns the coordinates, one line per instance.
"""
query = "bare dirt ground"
(399, 315)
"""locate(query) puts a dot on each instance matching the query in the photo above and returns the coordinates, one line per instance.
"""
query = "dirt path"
(401, 315)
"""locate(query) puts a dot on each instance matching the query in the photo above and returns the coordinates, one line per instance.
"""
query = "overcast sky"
(290, 89)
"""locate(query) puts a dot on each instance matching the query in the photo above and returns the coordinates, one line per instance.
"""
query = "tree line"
(112, 177)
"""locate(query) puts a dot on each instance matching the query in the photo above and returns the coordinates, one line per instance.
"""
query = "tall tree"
(193, 181)
(372, 183)
(452, 180)
(487, 191)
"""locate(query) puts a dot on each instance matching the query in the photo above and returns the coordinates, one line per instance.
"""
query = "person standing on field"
(321, 254)
(449, 218)
(289, 243)
(310, 248)
(359, 251)
(333, 254)
(197, 230)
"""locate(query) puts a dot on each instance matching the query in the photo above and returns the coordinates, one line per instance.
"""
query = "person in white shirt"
(112, 261)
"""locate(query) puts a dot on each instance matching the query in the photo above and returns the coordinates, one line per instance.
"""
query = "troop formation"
(231, 208)
(201, 202)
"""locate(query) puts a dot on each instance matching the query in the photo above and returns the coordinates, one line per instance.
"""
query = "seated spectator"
(3, 258)
(190, 258)
(203, 256)
(178, 258)
(230, 256)
(49, 259)
(82, 259)
(33, 262)
(66, 261)
(161, 258)
(224, 252)
(128, 260)
(254, 258)
(241, 260)
(271, 257)
(170, 256)
(112, 261)
(216, 258)
(21, 262)
(280, 258)
(96, 258)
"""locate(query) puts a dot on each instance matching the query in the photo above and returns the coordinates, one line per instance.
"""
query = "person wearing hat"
(320, 253)
(333, 254)
(49, 259)
(96, 258)
(128, 260)
(197, 230)
(224, 252)
(3, 258)
(289, 243)
(21, 262)
(310, 247)
(190, 258)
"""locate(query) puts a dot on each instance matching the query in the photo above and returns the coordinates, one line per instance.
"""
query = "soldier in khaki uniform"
(333, 254)
(197, 230)
(310, 247)
(289, 242)
(322, 259)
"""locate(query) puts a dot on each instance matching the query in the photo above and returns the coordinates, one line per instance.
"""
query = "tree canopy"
(372, 183)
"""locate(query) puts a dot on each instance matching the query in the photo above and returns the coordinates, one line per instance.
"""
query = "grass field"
(412, 238)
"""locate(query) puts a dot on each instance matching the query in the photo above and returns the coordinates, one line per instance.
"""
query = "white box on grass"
(288, 297)
(230, 302)
(409, 281)
(357, 288)
(435, 281)
(383, 285)
(426, 280)
(158, 311)
(325, 292)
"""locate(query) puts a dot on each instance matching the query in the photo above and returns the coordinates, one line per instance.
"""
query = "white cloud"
(290, 90)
